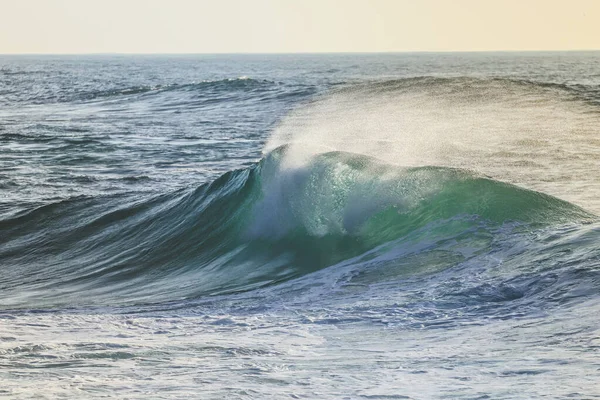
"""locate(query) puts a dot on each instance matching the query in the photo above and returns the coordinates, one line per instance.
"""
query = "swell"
(46, 95)
(463, 86)
(484, 86)
(250, 228)
(241, 83)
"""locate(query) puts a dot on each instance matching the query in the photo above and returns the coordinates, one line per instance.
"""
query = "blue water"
(300, 226)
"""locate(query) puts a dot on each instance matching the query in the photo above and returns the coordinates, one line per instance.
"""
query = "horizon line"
(301, 52)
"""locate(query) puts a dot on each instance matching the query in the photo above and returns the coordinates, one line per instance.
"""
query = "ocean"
(309, 226)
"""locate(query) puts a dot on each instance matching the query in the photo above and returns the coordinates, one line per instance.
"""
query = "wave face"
(253, 227)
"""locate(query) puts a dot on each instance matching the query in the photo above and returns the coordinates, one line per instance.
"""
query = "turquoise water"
(306, 226)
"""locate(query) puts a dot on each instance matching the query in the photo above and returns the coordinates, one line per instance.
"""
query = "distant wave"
(242, 82)
(209, 86)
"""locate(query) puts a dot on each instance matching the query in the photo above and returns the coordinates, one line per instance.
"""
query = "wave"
(252, 228)
(46, 95)
(240, 83)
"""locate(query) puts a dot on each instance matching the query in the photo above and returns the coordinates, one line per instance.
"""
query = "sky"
(289, 26)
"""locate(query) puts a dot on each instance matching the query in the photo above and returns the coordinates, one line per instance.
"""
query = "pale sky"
(272, 26)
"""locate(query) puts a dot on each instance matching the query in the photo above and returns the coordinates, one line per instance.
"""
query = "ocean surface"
(383, 226)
